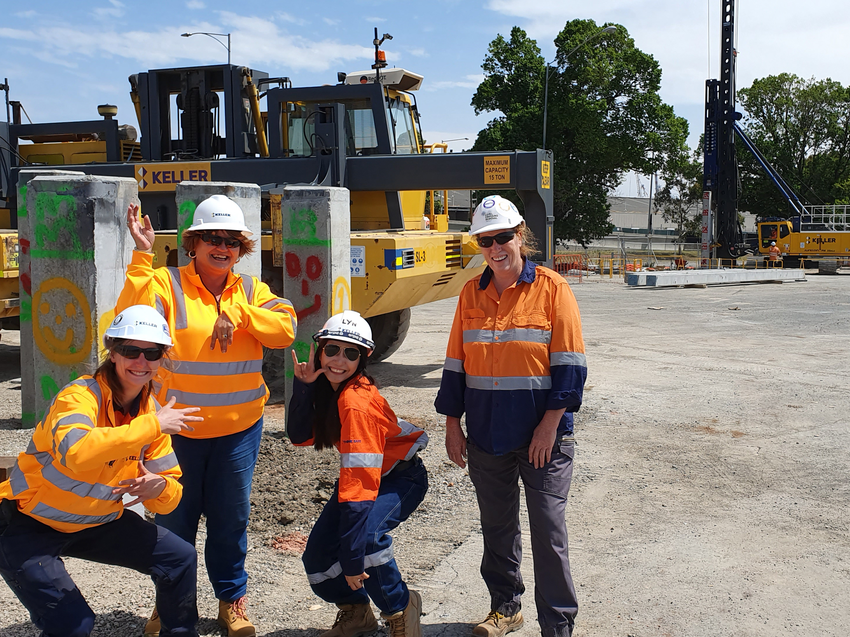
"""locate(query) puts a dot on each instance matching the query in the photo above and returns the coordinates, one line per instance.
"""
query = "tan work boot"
(233, 616)
(153, 626)
(497, 625)
(405, 623)
(352, 620)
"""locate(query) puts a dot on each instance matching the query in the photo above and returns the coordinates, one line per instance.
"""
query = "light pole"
(608, 29)
(213, 36)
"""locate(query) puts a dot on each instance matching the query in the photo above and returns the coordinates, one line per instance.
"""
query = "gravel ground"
(710, 492)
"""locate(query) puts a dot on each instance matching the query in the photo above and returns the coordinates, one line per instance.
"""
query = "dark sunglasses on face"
(132, 352)
(215, 240)
(502, 238)
(351, 353)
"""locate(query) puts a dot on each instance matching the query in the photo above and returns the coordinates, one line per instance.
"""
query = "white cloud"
(195, 4)
(469, 81)
(286, 17)
(330, 21)
(375, 20)
(26, 14)
(419, 53)
(115, 11)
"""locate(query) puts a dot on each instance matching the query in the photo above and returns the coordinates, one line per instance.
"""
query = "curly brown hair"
(529, 241)
(191, 238)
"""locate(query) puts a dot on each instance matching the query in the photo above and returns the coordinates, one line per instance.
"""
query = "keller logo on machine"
(165, 177)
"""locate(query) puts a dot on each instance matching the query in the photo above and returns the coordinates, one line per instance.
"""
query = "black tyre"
(827, 267)
(388, 332)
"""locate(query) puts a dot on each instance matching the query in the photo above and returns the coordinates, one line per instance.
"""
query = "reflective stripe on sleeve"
(361, 460)
(567, 358)
(158, 465)
(506, 336)
(180, 322)
(217, 400)
(71, 438)
(508, 383)
(248, 286)
(96, 490)
(453, 365)
(195, 368)
(160, 306)
(18, 480)
(45, 511)
(370, 561)
(73, 419)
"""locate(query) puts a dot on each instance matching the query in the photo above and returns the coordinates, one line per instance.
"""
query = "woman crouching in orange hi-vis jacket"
(220, 322)
(102, 437)
(349, 556)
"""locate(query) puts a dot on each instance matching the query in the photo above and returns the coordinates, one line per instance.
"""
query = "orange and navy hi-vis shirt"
(372, 442)
(229, 386)
(511, 359)
(81, 451)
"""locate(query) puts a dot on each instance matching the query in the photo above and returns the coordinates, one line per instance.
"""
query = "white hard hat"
(219, 213)
(773, 243)
(494, 213)
(347, 326)
(139, 323)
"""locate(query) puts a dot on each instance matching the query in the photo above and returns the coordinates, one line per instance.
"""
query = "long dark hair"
(326, 422)
(107, 370)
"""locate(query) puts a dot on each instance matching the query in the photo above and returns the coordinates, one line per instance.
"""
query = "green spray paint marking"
(26, 310)
(27, 420)
(49, 388)
(49, 224)
(187, 208)
(302, 229)
(302, 350)
(22, 202)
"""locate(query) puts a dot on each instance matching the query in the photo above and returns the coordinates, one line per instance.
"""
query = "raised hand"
(143, 235)
(173, 421)
(146, 486)
(306, 372)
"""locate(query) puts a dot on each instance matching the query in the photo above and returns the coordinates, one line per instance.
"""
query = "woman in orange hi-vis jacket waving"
(349, 556)
(515, 366)
(220, 322)
(103, 436)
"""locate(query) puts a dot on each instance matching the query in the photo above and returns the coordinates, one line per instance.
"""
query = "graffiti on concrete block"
(56, 227)
(61, 321)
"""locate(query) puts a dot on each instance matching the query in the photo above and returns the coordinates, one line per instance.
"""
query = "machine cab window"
(769, 232)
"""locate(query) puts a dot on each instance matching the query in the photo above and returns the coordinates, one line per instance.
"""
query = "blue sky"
(63, 58)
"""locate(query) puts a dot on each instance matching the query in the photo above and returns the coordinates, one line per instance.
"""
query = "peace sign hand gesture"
(306, 372)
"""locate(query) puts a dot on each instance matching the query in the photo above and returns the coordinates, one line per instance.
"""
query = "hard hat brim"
(494, 226)
(219, 226)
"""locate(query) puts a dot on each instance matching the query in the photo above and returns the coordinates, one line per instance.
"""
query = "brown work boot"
(497, 625)
(153, 626)
(233, 616)
(405, 623)
(352, 620)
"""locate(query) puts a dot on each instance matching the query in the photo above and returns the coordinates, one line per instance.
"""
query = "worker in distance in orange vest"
(775, 254)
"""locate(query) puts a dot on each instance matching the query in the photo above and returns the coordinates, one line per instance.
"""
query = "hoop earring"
(191, 254)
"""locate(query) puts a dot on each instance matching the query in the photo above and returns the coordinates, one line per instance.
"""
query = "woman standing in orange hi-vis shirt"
(220, 322)
(515, 366)
(349, 556)
(102, 437)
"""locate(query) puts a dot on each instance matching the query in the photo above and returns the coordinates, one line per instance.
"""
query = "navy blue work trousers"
(31, 563)
(401, 491)
(217, 476)
(496, 481)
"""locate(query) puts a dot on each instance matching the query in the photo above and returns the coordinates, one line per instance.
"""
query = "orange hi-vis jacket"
(372, 442)
(81, 451)
(229, 386)
(511, 359)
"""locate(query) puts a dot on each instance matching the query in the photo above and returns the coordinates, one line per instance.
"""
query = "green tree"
(803, 128)
(681, 193)
(605, 116)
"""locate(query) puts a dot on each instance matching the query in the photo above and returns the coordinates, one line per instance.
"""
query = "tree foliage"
(803, 128)
(605, 116)
(681, 192)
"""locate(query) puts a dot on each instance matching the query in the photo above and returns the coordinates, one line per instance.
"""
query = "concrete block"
(6, 464)
(28, 409)
(79, 248)
(736, 276)
(317, 254)
(189, 194)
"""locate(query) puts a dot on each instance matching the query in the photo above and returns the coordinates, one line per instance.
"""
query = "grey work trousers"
(496, 480)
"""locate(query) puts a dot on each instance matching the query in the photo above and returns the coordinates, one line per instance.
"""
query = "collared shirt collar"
(195, 278)
(528, 274)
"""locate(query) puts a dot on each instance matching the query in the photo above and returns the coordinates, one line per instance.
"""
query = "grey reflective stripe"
(43, 458)
(217, 400)
(73, 419)
(18, 481)
(453, 365)
(407, 428)
(508, 383)
(157, 387)
(79, 488)
(31, 448)
(361, 460)
(248, 284)
(180, 322)
(71, 438)
(270, 304)
(567, 358)
(160, 306)
(45, 511)
(159, 465)
(506, 336)
(195, 368)
(156, 402)
(370, 561)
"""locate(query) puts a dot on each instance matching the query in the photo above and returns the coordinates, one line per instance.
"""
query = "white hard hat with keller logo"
(139, 323)
(347, 326)
(219, 213)
(494, 213)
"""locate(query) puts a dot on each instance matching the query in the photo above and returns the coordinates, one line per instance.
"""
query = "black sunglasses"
(215, 240)
(502, 238)
(132, 352)
(351, 353)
